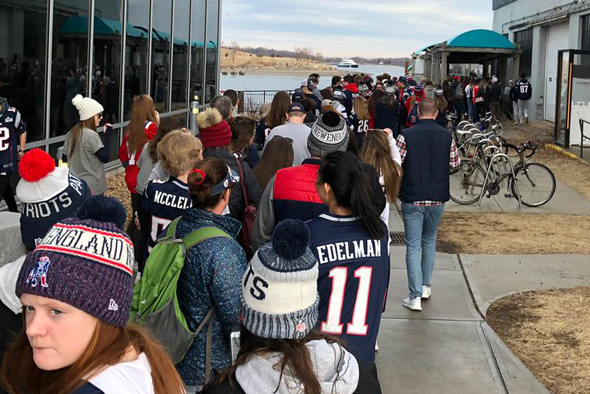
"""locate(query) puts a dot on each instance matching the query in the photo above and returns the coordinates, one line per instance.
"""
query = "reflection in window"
(525, 39)
(197, 49)
(107, 57)
(161, 53)
(138, 17)
(212, 49)
(22, 61)
(69, 63)
(180, 60)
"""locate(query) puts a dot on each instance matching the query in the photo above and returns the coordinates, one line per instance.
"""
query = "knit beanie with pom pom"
(213, 130)
(86, 262)
(87, 107)
(328, 134)
(48, 195)
(279, 288)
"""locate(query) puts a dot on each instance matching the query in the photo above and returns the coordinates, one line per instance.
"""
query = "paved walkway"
(448, 347)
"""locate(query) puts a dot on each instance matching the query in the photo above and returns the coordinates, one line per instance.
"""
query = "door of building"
(557, 38)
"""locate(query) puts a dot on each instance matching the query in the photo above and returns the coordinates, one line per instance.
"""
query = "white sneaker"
(413, 304)
(426, 292)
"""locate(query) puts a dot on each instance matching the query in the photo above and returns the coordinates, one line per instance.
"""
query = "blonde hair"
(375, 151)
(361, 108)
(179, 152)
(108, 346)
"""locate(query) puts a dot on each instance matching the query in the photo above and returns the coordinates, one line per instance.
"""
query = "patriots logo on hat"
(301, 326)
(39, 272)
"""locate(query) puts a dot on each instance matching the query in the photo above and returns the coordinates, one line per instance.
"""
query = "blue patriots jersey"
(11, 127)
(165, 201)
(352, 282)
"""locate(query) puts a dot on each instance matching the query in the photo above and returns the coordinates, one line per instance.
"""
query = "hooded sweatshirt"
(337, 371)
(133, 377)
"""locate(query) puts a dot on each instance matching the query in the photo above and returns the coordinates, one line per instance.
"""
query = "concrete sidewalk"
(448, 347)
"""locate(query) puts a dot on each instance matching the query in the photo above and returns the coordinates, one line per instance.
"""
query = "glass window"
(525, 39)
(138, 19)
(106, 82)
(585, 44)
(197, 49)
(161, 53)
(180, 60)
(69, 63)
(212, 49)
(22, 61)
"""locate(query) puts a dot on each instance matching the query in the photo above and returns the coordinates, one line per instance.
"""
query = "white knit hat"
(87, 107)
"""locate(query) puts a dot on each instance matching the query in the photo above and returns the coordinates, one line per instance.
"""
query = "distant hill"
(308, 54)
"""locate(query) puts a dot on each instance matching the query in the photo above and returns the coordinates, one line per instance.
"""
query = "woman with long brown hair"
(277, 154)
(84, 150)
(142, 128)
(381, 152)
(276, 116)
(76, 303)
(280, 351)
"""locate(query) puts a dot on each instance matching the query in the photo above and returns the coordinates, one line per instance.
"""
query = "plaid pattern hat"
(86, 262)
(279, 288)
(328, 134)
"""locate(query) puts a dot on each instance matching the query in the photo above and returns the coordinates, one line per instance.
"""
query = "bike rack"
(499, 161)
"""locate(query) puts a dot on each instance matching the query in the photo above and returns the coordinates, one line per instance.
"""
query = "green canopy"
(481, 38)
(79, 25)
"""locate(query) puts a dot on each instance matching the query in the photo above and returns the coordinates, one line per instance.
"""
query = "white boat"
(348, 63)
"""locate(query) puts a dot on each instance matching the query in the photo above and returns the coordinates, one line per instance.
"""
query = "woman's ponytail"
(352, 189)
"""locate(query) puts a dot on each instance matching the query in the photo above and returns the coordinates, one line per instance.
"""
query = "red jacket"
(131, 169)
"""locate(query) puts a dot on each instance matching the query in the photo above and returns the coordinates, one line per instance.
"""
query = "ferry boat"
(348, 63)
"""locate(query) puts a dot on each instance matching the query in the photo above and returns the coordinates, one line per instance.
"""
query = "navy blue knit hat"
(279, 289)
(86, 262)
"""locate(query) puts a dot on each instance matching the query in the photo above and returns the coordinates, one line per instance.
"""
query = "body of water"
(290, 82)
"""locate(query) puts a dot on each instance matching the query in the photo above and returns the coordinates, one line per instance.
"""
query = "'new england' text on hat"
(103, 246)
(329, 137)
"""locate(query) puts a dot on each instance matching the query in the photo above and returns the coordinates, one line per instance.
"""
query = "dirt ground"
(232, 59)
(513, 233)
(549, 331)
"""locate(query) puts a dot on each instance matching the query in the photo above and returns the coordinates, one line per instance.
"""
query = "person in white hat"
(85, 152)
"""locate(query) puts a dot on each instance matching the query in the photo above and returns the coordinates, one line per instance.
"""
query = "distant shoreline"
(291, 72)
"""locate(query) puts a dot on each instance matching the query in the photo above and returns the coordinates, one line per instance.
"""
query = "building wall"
(540, 15)
(42, 68)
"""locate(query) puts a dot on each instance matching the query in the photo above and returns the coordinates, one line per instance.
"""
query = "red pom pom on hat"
(35, 165)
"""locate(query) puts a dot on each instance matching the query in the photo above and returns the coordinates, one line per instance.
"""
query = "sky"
(346, 28)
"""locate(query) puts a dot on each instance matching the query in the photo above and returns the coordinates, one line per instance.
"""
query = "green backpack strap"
(202, 234)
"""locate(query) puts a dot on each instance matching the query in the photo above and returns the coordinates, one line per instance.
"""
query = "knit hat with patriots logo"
(86, 262)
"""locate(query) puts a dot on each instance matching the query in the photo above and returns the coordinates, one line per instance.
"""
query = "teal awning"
(419, 51)
(108, 27)
(481, 38)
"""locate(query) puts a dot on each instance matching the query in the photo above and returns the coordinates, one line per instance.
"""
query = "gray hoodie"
(336, 369)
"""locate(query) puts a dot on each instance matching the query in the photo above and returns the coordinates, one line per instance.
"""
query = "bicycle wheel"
(536, 184)
(467, 183)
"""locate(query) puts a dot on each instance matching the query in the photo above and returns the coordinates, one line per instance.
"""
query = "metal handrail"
(582, 121)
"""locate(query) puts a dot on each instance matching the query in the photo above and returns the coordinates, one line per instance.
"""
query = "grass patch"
(550, 332)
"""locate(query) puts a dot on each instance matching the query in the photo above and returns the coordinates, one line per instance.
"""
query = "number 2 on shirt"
(4, 138)
(358, 325)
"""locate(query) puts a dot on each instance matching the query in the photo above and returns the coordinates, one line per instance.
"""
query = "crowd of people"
(281, 226)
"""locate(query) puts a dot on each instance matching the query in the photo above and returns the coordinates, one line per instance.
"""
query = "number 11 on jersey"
(358, 325)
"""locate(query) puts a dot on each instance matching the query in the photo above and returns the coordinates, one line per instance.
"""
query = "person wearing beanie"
(76, 290)
(292, 192)
(48, 195)
(212, 272)
(215, 135)
(351, 244)
(280, 351)
(141, 129)
(85, 153)
(412, 106)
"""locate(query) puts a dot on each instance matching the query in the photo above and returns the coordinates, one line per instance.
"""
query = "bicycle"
(533, 183)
